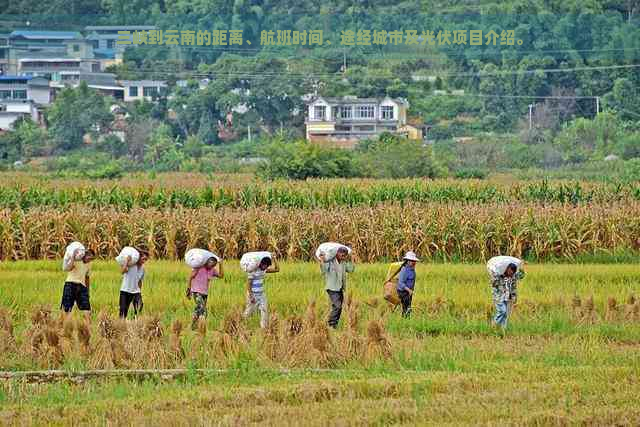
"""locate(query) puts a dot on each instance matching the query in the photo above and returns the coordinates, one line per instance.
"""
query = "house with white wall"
(12, 110)
(137, 90)
(346, 121)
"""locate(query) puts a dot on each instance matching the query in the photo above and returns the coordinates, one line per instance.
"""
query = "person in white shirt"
(256, 298)
(131, 289)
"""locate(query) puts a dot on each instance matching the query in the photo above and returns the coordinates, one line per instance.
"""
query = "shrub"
(302, 160)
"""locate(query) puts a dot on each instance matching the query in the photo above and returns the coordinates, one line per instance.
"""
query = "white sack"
(329, 250)
(496, 266)
(251, 260)
(196, 258)
(128, 251)
(67, 261)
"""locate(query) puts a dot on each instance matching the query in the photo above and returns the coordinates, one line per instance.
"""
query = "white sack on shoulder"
(68, 259)
(196, 258)
(496, 266)
(330, 249)
(128, 251)
(251, 260)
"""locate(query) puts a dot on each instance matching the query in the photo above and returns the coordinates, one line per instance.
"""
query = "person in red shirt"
(198, 287)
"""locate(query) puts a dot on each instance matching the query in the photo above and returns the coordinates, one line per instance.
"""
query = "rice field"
(569, 356)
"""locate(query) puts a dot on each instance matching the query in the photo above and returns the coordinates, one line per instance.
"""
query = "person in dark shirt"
(407, 282)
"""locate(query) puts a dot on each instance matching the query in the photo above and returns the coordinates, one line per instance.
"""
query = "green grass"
(448, 364)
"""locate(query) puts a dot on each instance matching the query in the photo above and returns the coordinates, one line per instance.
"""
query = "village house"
(104, 41)
(137, 90)
(12, 110)
(4, 53)
(20, 88)
(346, 121)
(44, 53)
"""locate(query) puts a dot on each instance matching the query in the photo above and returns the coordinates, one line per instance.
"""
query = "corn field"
(436, 231)
(313, 194)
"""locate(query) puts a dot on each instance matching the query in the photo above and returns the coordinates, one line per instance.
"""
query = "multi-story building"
(4, 53)
(21, 88)
(44, 53)
(105, 83)
(137, 90)
(12, 110)
(104, 40)
(348, 120)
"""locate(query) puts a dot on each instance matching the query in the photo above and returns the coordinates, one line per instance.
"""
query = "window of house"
(5, 94)
(76, 48)
(320, 112)
(150, 91)
(111, 44)
(133, 91)
(366, 128)
(387, 112)
(346, 112)
(364, 112)
(20, 94)
(95, 44)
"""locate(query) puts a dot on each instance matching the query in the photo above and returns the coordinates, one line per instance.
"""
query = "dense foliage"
(573, 56)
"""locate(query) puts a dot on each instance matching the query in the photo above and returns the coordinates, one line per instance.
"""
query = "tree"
(76, 112)
(162, 152)
(196, 112)
(623, 100)
(137, 135)
(30, 138)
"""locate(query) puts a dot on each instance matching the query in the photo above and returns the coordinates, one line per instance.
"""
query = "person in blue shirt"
(407, 282)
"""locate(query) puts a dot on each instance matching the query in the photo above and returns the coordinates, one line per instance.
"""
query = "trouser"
(335, 298)
(405, 299)
(126, 298)
(75, 293)
(200, 309)
(259, 303)
(503, 309)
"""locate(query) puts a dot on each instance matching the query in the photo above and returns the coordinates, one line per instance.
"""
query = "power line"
(332, 75)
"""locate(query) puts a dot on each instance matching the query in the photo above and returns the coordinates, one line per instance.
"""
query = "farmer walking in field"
(198, 287)
(505, 273)
(76, 286)
(256, 298)
(335, 274)
(131, 288)
(407, 282)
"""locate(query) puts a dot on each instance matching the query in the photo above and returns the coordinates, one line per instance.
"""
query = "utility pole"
(249, 132)
(530, 116)
(344, 61)
(597, 105)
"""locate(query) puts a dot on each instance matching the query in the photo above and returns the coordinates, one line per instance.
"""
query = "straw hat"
(411, 256)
